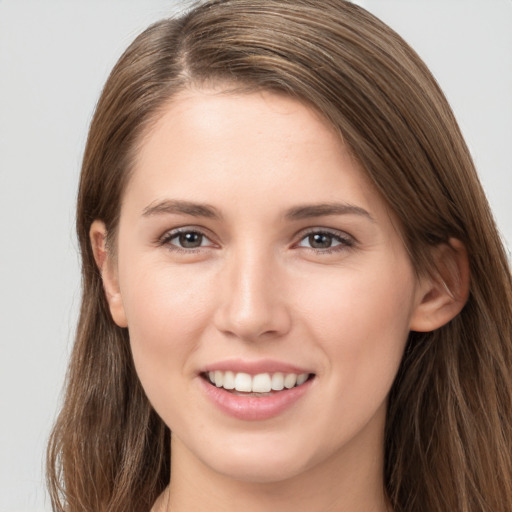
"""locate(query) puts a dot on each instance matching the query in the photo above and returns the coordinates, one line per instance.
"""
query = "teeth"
(303, 377)
(260, 383)
(290, 380)
(219, 379)
(277, 381)
(229, 380)
(243, 382)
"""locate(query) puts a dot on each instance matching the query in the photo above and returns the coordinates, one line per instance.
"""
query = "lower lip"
(251, 408)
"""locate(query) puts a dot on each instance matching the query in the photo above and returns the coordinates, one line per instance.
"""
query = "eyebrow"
(320, 210)
(173, 206)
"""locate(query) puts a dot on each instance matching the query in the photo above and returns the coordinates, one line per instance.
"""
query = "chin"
(262, 461)
(261, 470)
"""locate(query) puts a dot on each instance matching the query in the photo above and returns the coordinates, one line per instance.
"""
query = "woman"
(288, 263)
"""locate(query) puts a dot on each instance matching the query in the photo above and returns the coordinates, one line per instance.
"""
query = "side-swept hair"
(449, 427)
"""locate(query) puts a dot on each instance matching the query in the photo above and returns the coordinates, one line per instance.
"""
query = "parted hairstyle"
(448, 437)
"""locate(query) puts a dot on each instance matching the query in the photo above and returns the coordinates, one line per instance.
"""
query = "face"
(266, 290)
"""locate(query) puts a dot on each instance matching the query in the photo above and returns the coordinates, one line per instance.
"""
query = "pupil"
(320, 241)
(190, 240)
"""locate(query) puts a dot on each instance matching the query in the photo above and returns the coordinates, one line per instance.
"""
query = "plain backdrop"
(54, 59)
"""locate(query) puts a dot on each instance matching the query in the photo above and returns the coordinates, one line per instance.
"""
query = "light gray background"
(54, 58)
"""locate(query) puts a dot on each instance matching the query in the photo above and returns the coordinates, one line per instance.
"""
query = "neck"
(349, 483)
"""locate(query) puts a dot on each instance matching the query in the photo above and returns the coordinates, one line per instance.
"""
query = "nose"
(251, 298)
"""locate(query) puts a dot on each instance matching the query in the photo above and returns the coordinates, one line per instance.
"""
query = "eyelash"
(166, 239)
(344, 240)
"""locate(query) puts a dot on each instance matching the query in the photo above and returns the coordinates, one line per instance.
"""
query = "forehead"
(213, 145)
(215, 114)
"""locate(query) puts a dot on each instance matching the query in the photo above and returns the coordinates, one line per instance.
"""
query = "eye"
(325, 240)
(186, 239)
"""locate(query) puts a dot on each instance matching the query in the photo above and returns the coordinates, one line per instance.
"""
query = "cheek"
(361, 322)
(166, 312)
(160, 298)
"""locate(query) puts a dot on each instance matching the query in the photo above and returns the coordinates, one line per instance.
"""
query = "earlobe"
(443, 295)
(98, 237)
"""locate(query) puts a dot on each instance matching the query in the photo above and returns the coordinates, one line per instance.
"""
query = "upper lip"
(254, 367)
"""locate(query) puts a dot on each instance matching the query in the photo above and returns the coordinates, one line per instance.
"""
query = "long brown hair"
(449, 427)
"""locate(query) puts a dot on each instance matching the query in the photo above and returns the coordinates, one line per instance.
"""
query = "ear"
(108, 270)
(443, 295)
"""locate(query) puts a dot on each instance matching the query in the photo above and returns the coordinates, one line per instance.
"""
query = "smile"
(261, 383)
(255, 396)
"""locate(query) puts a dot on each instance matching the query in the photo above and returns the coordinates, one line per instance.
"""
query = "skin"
(257, 288)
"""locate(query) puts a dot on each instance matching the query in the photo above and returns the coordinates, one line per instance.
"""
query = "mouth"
(259, 385)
